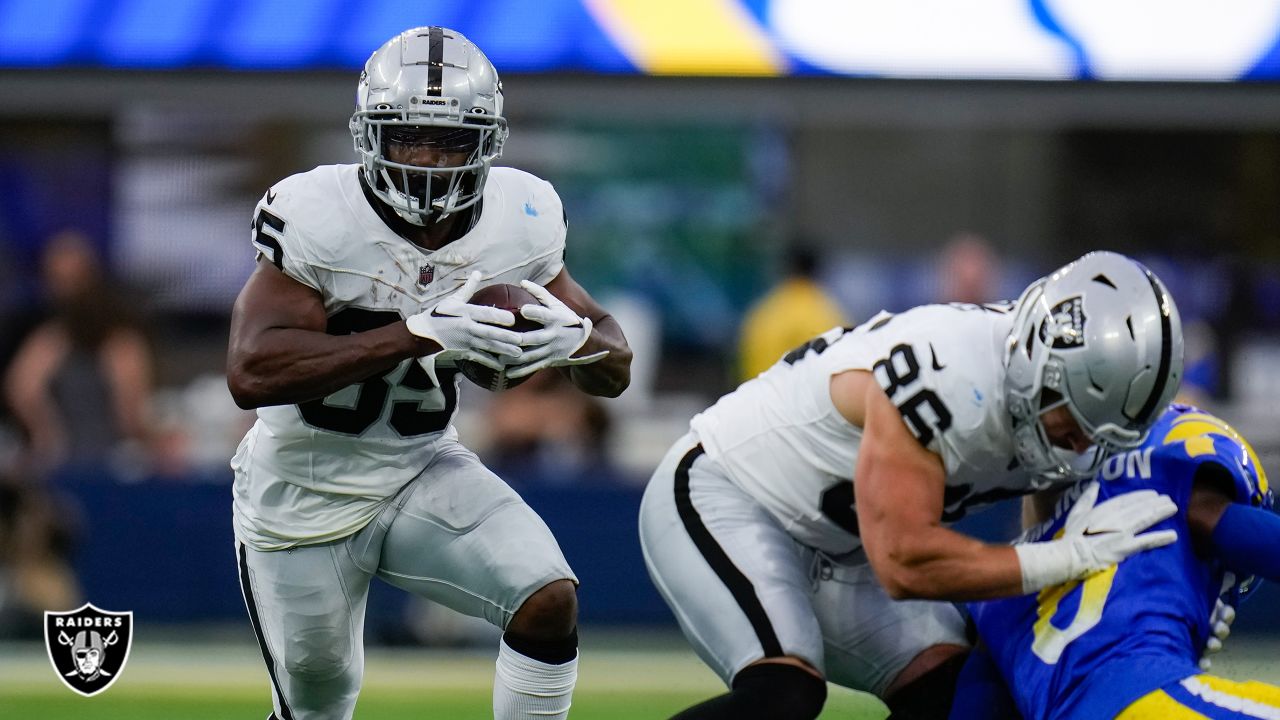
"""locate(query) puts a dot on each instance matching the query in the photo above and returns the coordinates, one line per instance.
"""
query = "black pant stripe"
(286, 713)
(739, 586)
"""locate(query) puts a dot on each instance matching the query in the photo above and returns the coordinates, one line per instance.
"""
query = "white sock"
(526, 688)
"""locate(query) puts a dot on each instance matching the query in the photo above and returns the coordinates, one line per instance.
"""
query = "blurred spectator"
(546, 432)
(969, 271)
(35, 571)
(80, 383)
(792, 313)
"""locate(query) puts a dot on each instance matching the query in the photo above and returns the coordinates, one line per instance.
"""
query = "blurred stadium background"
(915, 150)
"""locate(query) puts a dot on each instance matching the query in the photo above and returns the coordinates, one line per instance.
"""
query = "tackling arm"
(279, 352)
(899, 493)
(899, 500)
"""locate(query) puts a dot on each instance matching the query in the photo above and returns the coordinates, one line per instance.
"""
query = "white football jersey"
(781, 439)
(320, 470)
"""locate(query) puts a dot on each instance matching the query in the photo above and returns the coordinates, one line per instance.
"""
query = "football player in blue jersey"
(1124, 642)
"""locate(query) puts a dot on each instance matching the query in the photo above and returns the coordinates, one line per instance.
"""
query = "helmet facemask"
(458, 151)
(1037, 451)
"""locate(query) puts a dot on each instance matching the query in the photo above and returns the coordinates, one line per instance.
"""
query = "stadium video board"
(976, 39)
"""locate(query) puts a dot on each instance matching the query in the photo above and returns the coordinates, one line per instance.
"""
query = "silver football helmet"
(429, 89)
(1102, 337)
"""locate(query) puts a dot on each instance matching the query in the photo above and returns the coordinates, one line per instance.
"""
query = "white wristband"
(1045, 564)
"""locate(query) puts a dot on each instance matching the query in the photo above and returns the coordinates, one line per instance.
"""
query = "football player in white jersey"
(798, 531)
(346, 339)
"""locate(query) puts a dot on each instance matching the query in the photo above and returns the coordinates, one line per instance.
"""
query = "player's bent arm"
(1244, 538)
(279, 352)
(610, 375)
(899, 499)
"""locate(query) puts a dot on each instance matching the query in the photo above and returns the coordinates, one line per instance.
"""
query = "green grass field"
(620, 678)
(227, 682)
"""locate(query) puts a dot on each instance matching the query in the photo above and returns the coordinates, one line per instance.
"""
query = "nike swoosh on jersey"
(271, 197)
(934, 355)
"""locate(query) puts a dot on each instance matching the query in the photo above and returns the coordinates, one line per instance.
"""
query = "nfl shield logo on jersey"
(88, 647)
(426, 274)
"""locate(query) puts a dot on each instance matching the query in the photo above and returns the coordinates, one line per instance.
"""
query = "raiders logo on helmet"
(1065, 324)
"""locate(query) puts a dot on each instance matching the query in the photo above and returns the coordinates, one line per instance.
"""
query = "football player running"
(1124, 642)
(346, 339)
(798, 531)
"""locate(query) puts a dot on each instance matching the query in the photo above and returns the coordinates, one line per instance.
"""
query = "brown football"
(505, 297)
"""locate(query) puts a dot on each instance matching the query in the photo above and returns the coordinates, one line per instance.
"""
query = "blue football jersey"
(1086, 649)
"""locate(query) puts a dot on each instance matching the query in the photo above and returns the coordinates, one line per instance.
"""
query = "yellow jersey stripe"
(1159, 706)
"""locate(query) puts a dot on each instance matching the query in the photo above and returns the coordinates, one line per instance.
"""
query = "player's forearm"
(610, 375)
(1245, 539)
(940, 564)
(285, 365)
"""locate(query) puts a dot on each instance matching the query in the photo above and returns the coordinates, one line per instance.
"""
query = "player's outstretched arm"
(279, 352)
(899, 499)
(899, 496)
(578, 336)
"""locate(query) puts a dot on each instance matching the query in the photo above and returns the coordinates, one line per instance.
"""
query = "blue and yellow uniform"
(1125, 642)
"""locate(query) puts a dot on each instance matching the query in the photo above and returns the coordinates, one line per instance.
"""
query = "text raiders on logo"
(88, 646)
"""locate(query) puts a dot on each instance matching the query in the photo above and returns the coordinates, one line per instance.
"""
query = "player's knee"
(779, 692)
(549, 613)
(317, 657)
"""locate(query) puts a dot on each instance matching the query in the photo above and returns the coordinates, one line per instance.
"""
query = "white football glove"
(465, 331)
(563, 333)
(1096, 537)
(1220, 626)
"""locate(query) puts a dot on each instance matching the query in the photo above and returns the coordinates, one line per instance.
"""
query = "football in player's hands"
(503, 297)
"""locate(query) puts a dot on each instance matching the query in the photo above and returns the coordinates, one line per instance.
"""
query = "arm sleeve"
(980, 691)
(1246, 538)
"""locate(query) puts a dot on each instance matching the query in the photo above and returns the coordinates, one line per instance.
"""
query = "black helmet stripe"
(435, 62)
(1166, 348)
